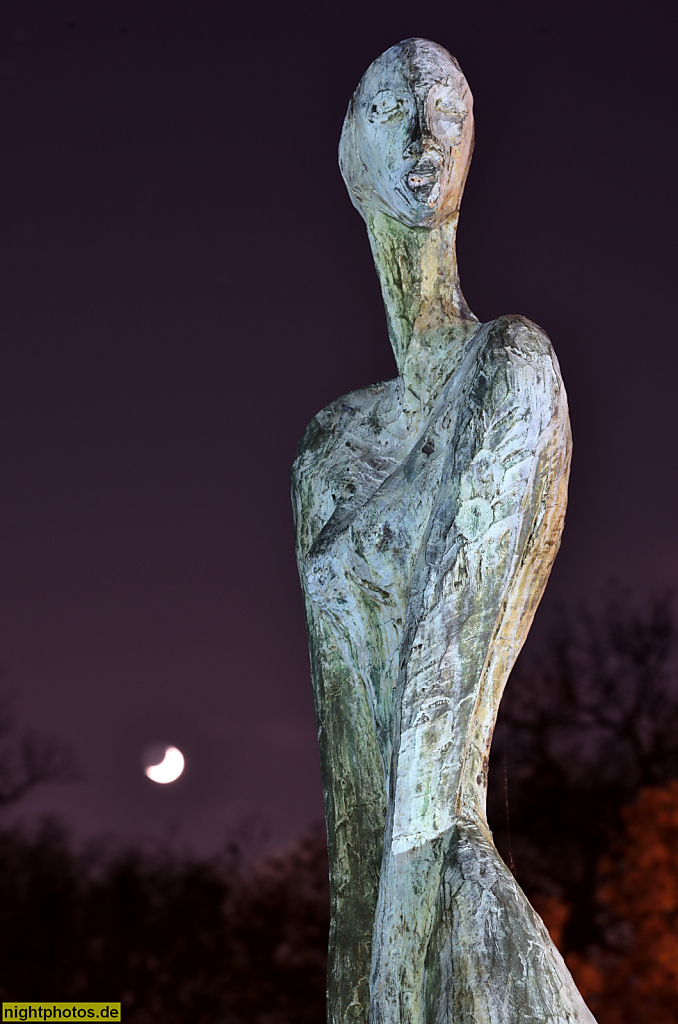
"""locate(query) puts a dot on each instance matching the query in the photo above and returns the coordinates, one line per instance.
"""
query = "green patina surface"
(428, 512)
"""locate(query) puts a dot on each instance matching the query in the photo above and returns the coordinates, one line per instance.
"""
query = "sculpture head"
(408, 135)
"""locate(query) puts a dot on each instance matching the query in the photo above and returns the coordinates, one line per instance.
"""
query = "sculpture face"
(408, 135)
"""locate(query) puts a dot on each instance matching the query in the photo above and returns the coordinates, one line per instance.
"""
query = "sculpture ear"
(351, 164)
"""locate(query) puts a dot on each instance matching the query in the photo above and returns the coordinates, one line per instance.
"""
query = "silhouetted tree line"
(175, 939)
(583, 805)
(585, 753)
(582, 729)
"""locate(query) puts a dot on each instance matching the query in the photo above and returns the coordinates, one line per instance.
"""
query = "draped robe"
(424, 541)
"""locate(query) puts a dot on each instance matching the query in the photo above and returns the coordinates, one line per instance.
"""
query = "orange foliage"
(555, 914)
(638, 982)
(591, 981)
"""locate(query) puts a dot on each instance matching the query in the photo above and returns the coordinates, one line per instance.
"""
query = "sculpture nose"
(419, 137)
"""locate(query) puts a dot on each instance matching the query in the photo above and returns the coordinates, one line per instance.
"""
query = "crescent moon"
(167, 770)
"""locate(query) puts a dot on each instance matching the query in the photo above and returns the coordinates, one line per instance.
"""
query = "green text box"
(61, 1011)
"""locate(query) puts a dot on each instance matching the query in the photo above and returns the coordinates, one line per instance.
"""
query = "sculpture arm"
(447, 904)
(481, 571)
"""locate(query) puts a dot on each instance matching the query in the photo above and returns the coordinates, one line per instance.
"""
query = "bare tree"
(29, 759)
(582, 728)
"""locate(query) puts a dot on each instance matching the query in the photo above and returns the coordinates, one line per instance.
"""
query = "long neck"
(429, 322)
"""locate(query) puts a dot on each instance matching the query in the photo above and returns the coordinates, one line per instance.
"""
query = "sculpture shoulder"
(359, 415)
(520, 341)
(346, 451)
(516, 362)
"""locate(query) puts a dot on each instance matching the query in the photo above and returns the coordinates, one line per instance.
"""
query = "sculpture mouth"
(423, 180)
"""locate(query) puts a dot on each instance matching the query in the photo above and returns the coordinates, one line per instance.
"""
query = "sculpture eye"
(448, 116)
(448, 110)
(387, 107)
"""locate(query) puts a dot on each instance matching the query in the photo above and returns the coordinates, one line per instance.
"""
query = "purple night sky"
(184, 283)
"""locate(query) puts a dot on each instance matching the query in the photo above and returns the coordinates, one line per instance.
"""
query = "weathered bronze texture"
(428, 512)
